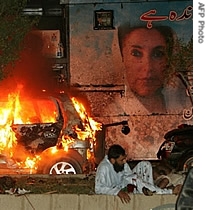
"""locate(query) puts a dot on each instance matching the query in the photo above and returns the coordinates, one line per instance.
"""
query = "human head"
(117, 156)
(146, 55)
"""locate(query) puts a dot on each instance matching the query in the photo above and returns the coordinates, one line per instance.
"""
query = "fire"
(90, 127)
(30, 162)
(7, 116)
(66, 141)
(24, 112)
(13, 111)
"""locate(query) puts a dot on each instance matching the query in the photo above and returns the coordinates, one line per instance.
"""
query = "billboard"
(134, 61)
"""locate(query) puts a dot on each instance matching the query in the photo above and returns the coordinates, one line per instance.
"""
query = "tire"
(61, 163)
(185, 163)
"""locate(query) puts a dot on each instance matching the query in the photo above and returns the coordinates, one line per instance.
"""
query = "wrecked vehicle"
(177, 149)
(56, 137)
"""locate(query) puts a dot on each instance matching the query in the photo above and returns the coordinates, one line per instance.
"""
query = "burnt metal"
(37, 137)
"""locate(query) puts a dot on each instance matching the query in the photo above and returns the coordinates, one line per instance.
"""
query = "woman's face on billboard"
(145, 60)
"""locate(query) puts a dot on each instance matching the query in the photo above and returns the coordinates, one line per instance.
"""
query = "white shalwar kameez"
(109, 182)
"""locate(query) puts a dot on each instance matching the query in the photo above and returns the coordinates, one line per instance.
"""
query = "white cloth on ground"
(108, 181)
(145, 178)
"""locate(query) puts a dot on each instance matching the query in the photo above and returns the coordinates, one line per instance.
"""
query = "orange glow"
(53, 150)
(88, 133)
(66, 141)
(14, 111)
(30, 162)
(90, 125)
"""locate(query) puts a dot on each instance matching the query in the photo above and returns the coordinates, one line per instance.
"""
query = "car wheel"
(186, 163)
(63, 166)
(62, 163)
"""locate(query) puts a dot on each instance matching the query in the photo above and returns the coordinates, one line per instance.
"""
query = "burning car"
(47, 135)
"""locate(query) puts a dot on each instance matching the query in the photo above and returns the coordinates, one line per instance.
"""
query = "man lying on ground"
(114, 177)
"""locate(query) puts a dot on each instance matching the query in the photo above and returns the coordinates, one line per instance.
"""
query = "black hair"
(115, 151)
(166, 31)
(170, 39)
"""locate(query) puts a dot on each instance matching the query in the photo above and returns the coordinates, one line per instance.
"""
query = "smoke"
(32, 72)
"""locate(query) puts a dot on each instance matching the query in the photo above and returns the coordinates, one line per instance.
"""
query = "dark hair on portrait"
(170, 38)
(115, 151)
(166, 31)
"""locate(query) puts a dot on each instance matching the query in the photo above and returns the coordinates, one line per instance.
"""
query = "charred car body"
(64, 146)
(177, 149)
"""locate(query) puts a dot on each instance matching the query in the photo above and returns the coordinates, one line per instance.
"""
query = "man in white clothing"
(114, 175)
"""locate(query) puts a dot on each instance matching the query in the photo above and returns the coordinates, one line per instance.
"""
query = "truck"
(82, 41)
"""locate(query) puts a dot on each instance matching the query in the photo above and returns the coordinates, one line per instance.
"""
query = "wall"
(98, 72)
(82, 202)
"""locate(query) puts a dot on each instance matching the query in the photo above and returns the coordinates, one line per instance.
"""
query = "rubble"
(47, 184)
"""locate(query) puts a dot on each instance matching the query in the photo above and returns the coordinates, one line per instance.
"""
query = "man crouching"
(114, 176)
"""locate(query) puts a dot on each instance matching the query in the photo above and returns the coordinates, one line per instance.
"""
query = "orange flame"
(14, 111)
(90, 125)
(88, 133)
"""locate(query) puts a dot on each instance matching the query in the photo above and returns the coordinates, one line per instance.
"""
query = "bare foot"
(177, 189)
